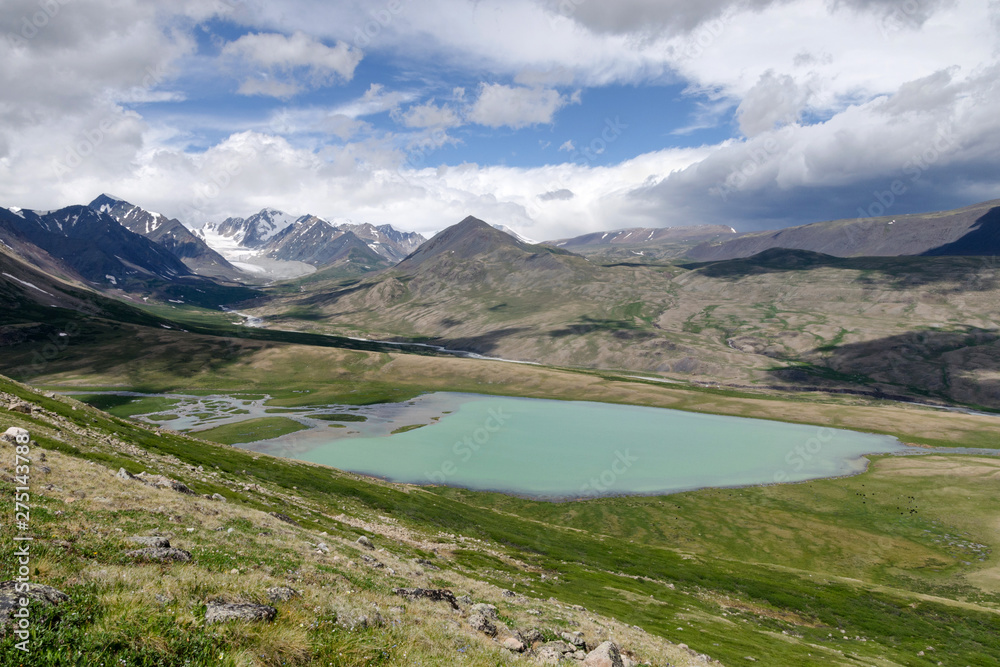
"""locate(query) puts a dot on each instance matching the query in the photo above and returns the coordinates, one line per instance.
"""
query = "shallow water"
(559, 449)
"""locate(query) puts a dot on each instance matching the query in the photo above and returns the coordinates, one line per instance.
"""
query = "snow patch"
(27, 284)
(111, 279)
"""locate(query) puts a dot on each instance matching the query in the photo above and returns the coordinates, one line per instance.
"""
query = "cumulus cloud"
(429, 115)
(375, 100)
(774, 100)
(300, 59)
(499, 105)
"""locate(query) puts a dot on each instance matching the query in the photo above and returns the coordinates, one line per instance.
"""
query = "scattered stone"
(508, 594)
(365, 542)
(10, 597)
(160, 554)
(465, 599)
(13, 434)
(281, 594)
(578, 655)
(434, 594)
(532, 636)
(374, 562)
(45, 469)
(282, 517)
(161, 482)
(552, 652)
(487, 610)
(426, 563)
(21, 407)
(514, 645)
(218, 497)
(323, 547)
(159, 542)
(483, 624)
(605, 655)
(124, 474)
(220, 612)
(574, 638)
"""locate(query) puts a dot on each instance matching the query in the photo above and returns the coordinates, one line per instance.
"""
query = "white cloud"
(299, 59)
(375, 100)
(515, 106)
(568, 146)
(429, 115)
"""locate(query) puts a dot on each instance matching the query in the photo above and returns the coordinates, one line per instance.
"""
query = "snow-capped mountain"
(169, 233)
(275, 235)
(507, 230)
(93, 244)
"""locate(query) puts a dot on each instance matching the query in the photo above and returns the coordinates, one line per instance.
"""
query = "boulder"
(514, 645)
(374, 562)
(435, 594)
(152, 541)
(21, 407)
(487, 610)
(574, 638)
(220, 612)
(124, 474)
(605, 655)
(281, 594)
(483, 624)
(10, 597)
(532, 636)
(365, 542)
(218, 497)
(282, 517)
(551, 653)
(15, 435)
(160, 554)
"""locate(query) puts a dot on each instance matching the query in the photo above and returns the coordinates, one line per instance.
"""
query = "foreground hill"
(973, 230)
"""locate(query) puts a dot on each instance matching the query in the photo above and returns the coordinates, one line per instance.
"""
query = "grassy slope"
(250, 430)
(769, 572)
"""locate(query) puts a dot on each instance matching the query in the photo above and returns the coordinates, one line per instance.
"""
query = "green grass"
(251, 430)
(341, 417)
(128, 406)
(404, 429)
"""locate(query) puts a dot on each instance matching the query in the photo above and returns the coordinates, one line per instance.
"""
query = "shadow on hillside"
(966, 272)
(620, 329)
(933, 363)
(982, 240)
(486, 343)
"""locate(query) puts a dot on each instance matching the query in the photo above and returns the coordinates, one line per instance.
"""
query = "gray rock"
(124, 474)
(10, 597)
(574, 638)
(465, 599)
(281, 594)
(21, 407)
(161, 482)
(514, 645)
(14, 433)
(220, 612)
(483, 624)
(160, 554)
(434, 594)
(532, 636)
(427, 564)
(487, 610)
(282, 517)
(365, 542)
(374, 562)
(560, 647)
(160, 542)
(605, 655)
(220, 498)
(509, 594)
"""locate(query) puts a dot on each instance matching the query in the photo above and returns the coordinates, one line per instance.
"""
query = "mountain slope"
(317, 242)
(169, 233)
(964, 231)
(94, 244)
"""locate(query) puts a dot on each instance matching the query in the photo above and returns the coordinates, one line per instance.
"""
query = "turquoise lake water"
(558, 449)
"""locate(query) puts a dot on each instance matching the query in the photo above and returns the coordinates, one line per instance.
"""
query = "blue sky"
(752, 113)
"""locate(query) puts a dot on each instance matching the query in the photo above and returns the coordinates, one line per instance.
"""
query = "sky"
(554, 117)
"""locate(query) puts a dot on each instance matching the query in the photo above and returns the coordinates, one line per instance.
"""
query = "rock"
(161, 482)
(532, 636)
(218, 497)
(427, 564)
(574, 638)
(281, 594)
(578, 655)
(124, 474)
(508, 594)
(513, 644)
(487, 610)
(160, 542)
(21, 407)
(323, 547)
(220, 612)
(163, 599)
(282, 517)
(10, 597)
(552, 652)
(160, 554)
(483, 624)
(374, 562)
(435, 594)
(365, 542)
(561, 647)
(15, 435)
(605, 655)
(45, 469)
(465, 599)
